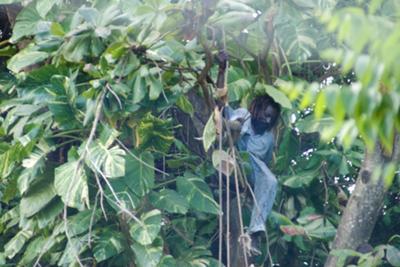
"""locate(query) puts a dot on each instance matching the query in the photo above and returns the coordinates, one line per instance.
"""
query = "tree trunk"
(236, 255)
(193, 126)
(364, 205)
(8, 13)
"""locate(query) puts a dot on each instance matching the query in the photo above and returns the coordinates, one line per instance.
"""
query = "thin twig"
(220, 196)
(101, 191)
(118, 201)
(78, 165)
(228, 214)
(114, 94)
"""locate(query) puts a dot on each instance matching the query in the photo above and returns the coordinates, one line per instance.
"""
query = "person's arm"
(222, 87)
(234, 118)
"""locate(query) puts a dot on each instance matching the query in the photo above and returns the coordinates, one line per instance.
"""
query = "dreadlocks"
(264, 113)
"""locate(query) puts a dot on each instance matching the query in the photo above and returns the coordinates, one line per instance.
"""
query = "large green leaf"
(223, 162)
(16, 243)
(233, 19)
(74, 247)
(44, 6)
(25, 59)
(311, 125)
(63, 112)
(197, 193)
(184, 104)
(154, 133)
(34, 167)
(37, 197)
(26, 23)
(300, 179)
(109, 161)
(209, 133)
(321, 229)
(167, 261)
(393, 256)
(49, 213)
(139, 89)
(155, 88)
(7, 51)
(150, 255)
(71, 184)
(63, 104)
(126, 197)
(80, 223)
(108, 244)
(76, 48)
(7, 2)
(278, 96)
(139, 176)
(296, 37)
(33, 250)
(170, 201)
(38, 156)
(40, 244)
(147, 230)
(280, 219)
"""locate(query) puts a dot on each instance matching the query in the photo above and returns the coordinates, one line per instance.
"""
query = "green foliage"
(111, 243)
(209, 133)
(197, 193)
(147, 229)
(154, 133)
(139, 176)
(370, 106)
(70, 182)
(149, 255)
(170, 201)
(110, 161)
(25, 59)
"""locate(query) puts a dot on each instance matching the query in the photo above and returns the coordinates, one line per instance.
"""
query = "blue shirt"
(260, 146)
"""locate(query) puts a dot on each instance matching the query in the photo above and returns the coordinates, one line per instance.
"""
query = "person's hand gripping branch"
(221, 92)
(222, 88)
(220, 111)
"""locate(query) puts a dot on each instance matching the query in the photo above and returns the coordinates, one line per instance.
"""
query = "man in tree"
(255, 137)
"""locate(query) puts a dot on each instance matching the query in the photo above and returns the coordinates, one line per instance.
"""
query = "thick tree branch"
(364, 206)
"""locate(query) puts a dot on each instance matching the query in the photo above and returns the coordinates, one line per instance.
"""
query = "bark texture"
(364, 205)
(237, 258)
(193, 126)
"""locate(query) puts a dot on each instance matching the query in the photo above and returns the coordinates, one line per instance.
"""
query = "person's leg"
(265, 188)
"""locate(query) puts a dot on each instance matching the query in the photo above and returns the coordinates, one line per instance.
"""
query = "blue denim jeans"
(264, 187)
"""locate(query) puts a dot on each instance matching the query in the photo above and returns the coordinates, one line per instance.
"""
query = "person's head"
(264, 113)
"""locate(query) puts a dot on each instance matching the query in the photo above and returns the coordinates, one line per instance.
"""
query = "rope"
(220, 197)
(242, 242)
(228, 214)
(244, 239)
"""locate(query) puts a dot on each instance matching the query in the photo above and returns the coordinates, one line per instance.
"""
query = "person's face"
(265, 121)
(268, 115)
